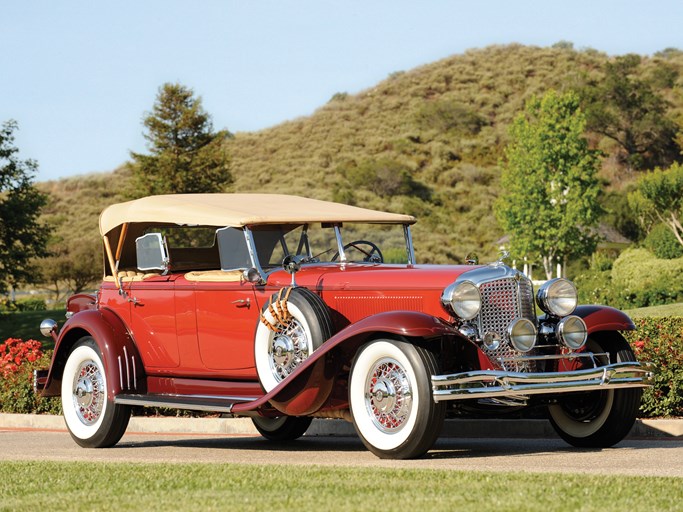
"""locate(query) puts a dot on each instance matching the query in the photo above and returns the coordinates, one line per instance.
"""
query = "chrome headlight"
(463, 299)
(522, 334)
(557, 297)
(572, 332)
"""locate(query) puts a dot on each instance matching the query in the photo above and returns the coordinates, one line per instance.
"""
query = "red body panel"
(604, 318)
(309, 387)
(120, 356)
(206, 329)
(197, 338)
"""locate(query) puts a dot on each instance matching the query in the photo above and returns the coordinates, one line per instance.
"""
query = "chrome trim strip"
(135, 377)
(120, 373)
(125, 356)
(496, 383)
(554, 357)
(190, 402)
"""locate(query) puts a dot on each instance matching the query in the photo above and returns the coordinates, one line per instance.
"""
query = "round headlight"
(463, 299)
(557, 297)
(572, 332)
(522, 334)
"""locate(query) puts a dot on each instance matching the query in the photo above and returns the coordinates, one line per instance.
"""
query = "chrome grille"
(503, 301)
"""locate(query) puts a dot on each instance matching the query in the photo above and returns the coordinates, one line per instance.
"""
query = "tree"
(22, 237)
(550, 190)
(186, 155)
(76, 264)
(627, 110)
(659, 198)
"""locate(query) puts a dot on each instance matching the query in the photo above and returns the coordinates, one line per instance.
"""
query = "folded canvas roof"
(238, 210)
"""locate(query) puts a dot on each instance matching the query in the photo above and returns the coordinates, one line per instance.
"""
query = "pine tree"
(186, 156)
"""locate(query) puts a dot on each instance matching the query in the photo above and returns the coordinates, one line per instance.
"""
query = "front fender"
(122, 363)
(604, 318)
(310, 385)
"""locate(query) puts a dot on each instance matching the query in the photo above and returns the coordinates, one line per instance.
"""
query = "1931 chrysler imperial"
(284, 308)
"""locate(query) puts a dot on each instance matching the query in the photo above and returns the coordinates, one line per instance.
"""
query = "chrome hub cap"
(388, 395)
(283, 350)
(288, 349)
(89, 394)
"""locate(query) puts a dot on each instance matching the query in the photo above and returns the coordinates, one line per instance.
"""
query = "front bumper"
(505, 384)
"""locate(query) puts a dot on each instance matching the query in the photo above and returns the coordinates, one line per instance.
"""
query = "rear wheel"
(598, 419)
(391, 401)
(93, 420)
(283, 428)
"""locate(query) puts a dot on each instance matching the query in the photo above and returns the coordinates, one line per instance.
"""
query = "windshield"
(316, 243)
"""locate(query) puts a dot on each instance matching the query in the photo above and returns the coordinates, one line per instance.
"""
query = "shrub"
(660, 340)
(18, 359)
(662, 242)
(30, 304)
(642, 280)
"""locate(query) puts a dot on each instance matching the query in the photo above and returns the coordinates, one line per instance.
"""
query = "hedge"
(659, 340)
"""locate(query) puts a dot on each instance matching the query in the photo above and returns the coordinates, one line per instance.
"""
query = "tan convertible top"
(238, 210)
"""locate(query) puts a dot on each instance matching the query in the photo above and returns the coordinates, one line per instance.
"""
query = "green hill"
(425, 141)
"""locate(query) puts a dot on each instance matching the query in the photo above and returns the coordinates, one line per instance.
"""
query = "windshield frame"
(304, 243)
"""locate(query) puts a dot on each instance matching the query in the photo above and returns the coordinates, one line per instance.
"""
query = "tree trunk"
(548, 266)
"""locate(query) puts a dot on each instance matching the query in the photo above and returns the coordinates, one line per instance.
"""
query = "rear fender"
(310, 385)
(604, 318)
(122, 363)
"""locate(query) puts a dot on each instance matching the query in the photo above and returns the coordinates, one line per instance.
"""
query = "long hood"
(359, 276)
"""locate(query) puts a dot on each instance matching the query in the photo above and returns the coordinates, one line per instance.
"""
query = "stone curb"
(323, 427)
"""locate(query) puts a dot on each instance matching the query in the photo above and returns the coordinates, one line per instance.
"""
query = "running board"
(222, 404)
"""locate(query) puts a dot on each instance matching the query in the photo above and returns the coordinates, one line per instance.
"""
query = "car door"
(227, 317)
(153, 322)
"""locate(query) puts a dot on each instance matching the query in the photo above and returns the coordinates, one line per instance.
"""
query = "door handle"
(242, 303)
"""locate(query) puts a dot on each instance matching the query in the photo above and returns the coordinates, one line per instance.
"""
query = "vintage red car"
(285, 309)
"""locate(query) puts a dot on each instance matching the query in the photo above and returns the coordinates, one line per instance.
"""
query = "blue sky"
(79, 75)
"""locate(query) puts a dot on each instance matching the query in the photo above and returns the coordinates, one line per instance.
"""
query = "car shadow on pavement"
(311, 444)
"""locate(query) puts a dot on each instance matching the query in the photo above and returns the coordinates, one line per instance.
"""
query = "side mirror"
(151, 252)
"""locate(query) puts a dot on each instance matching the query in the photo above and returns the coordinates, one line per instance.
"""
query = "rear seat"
(127, 276)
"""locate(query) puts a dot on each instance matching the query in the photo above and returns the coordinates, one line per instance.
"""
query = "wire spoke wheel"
(93, 420)
(89, 393)
(390, 398)
(388, 395)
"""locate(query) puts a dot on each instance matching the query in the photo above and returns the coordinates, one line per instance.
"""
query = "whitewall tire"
(391, 401)
(279, 352)
(598, 419)
(93, 420)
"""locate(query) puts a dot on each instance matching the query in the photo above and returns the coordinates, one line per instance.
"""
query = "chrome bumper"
(502, 384)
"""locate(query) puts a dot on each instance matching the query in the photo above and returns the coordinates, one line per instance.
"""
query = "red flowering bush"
(18, 359)
(660, 340)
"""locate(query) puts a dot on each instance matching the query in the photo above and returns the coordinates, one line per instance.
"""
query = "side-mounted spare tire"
(294, 323)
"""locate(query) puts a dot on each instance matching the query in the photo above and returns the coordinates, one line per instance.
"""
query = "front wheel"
(282, 428)
(93, 420)
(598, 419)
(391, 401)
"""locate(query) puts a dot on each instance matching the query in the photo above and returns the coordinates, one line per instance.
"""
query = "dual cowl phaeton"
(286, 309)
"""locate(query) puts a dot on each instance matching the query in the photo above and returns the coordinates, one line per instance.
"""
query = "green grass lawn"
(667, 310)
(133, 486)
(26, 324)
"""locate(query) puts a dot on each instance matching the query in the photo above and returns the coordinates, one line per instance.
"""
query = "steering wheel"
(373, 254)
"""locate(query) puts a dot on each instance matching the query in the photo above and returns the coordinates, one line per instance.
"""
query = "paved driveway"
(632, 457)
